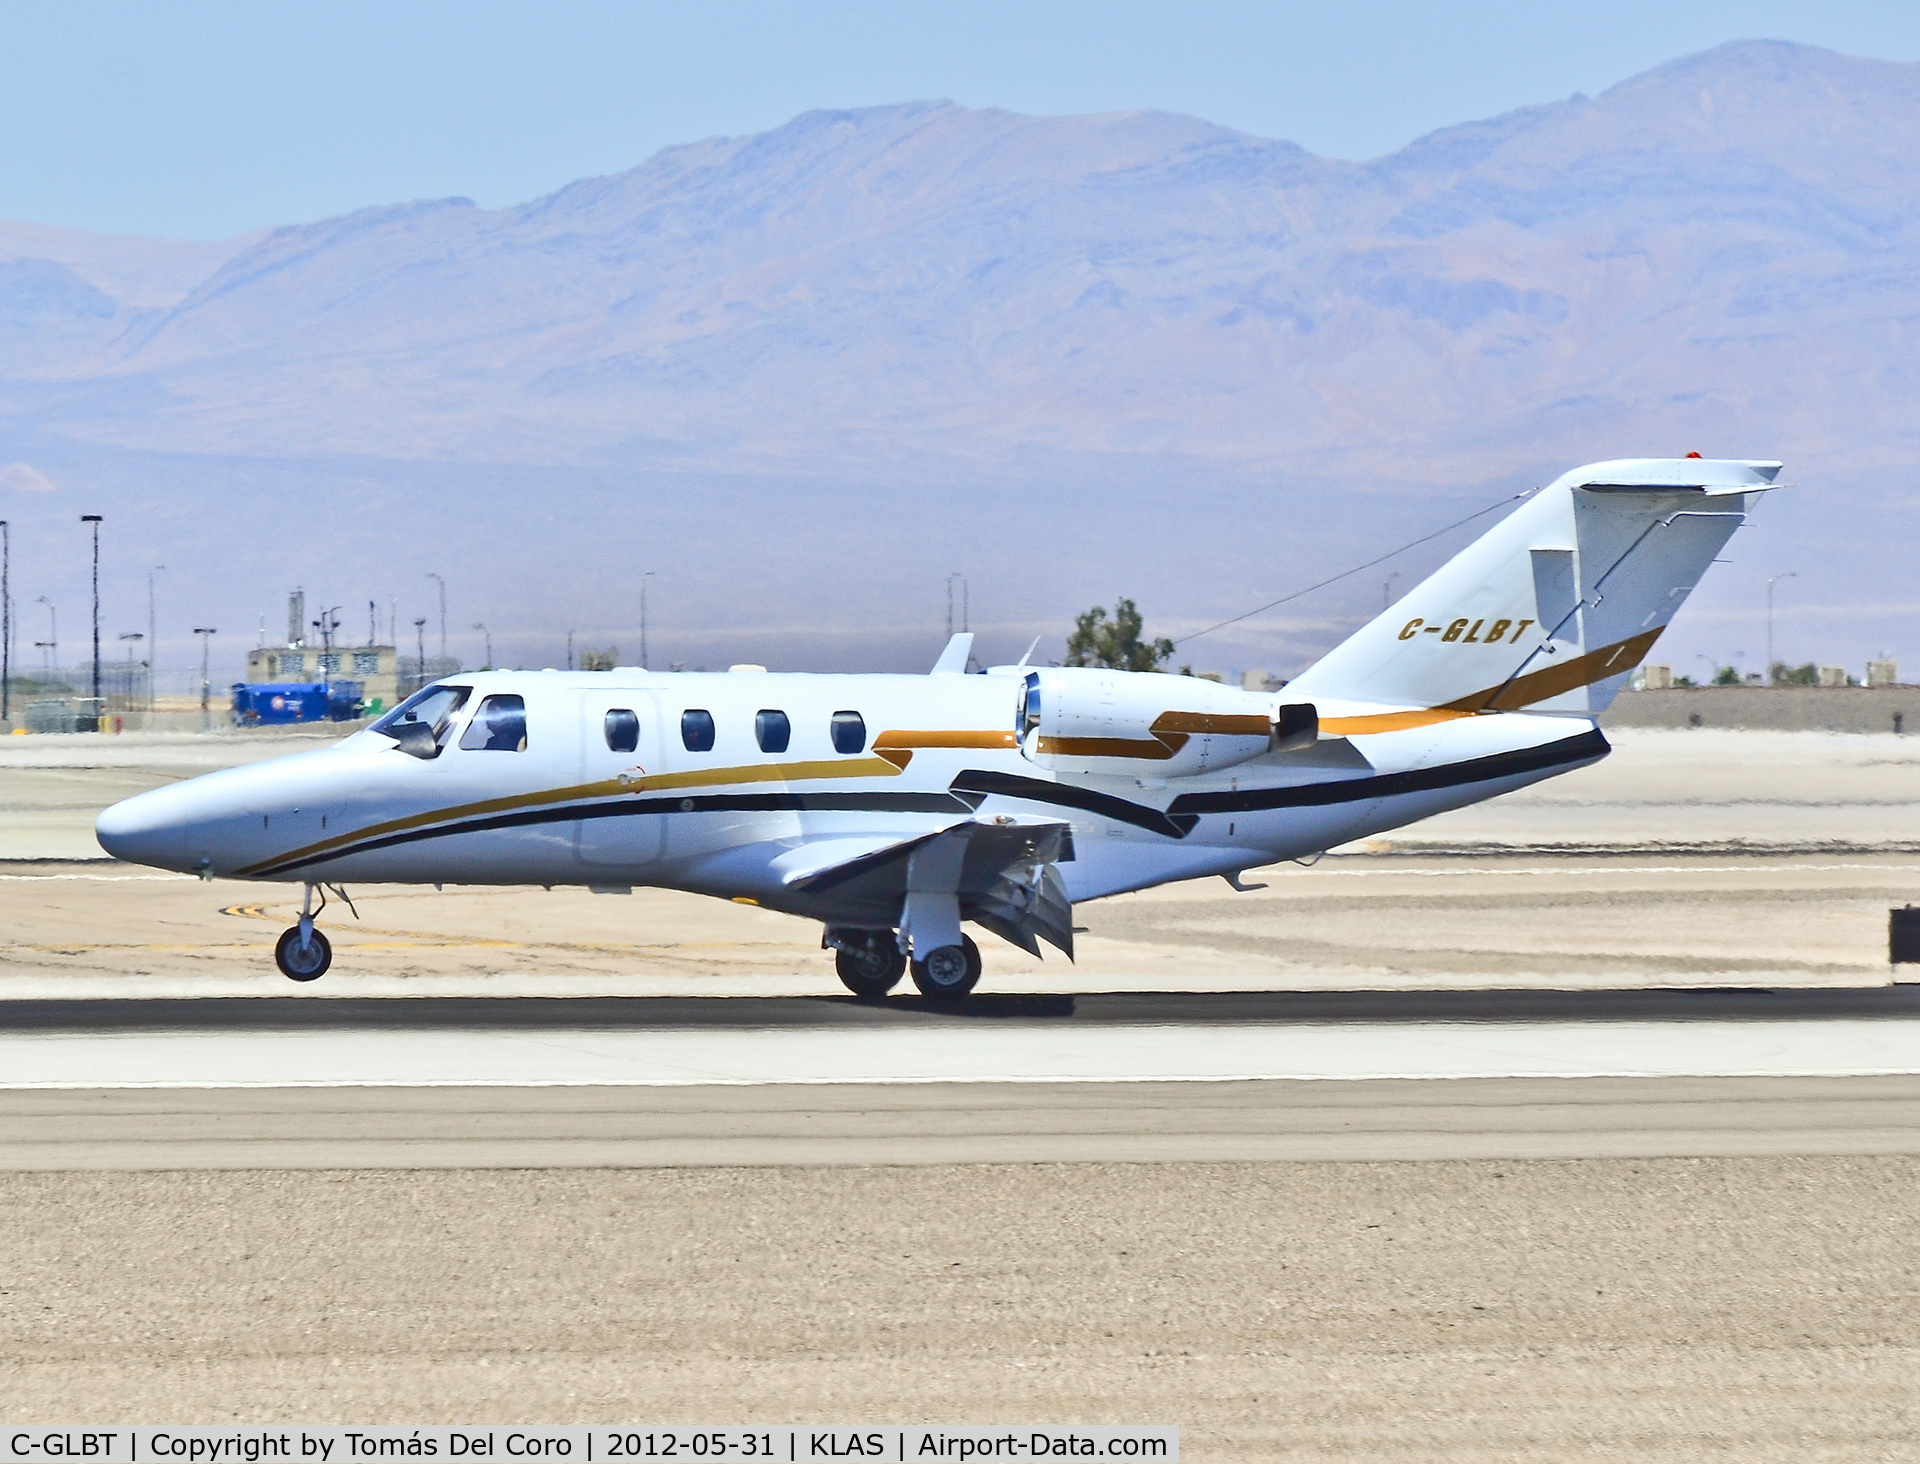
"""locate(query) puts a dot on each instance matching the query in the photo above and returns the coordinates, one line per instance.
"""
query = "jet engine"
(1084, 720)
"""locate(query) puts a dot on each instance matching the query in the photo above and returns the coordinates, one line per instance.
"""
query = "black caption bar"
(578, 1444)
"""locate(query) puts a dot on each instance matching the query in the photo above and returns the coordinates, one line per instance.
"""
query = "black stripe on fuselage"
(1185, 811)
(1176, 823)
(1584, 748)
(638, 807)
(1070, 795)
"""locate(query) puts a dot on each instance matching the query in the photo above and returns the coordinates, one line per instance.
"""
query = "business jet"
(896, 809)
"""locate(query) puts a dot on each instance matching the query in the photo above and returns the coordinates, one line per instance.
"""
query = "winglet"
(953, 660)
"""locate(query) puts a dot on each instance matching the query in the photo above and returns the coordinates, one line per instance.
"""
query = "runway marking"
(759, 1056)
(981, 1079)
(114, 878)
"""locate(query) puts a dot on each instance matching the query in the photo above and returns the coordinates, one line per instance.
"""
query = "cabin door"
(619, 738)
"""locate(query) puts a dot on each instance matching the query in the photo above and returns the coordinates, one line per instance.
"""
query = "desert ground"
(1652, 1289)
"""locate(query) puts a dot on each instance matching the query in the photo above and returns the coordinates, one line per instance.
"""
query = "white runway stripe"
(987, 1053)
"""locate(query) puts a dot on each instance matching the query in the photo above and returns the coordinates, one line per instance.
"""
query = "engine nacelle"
(1085, 720)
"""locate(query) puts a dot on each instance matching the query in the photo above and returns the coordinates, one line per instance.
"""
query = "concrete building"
(376, 667)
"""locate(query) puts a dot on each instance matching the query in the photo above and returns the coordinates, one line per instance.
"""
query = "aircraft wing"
(1008, 879)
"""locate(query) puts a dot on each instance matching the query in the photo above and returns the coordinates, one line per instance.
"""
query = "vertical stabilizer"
(1552, 607)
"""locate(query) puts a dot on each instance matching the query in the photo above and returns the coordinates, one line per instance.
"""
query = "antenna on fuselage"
(1030, 650)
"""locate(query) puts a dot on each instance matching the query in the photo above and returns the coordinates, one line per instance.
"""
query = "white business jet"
(893, 809)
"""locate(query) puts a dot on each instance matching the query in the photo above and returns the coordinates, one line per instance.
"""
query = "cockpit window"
(849, 732)
(772, 730)
(499, 726)
(431, 705)
(623, 730)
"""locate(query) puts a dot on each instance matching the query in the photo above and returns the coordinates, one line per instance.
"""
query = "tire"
(298, 965)
(871, 972)
(950, 972)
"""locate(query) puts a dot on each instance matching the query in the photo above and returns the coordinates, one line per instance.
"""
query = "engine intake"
(1080, 719)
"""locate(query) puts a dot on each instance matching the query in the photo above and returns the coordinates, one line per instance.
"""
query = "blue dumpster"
(271, 704)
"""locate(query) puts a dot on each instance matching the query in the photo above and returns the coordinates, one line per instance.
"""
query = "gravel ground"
(1666, 1309)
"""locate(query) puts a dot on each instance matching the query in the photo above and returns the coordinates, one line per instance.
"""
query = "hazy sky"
(197, 120)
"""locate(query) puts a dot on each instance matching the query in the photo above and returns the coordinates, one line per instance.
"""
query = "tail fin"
(1551, 608)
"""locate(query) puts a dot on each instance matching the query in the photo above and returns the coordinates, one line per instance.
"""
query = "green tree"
(1115, 643)
(1785, 675)
(1728, 676)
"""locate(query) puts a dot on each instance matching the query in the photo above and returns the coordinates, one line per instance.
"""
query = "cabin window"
(623, 730)
(849, 732)
(499, 726)
(772, 730)
(696, 730)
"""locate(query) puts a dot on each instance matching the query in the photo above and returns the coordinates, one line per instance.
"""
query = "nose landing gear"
(302, 953)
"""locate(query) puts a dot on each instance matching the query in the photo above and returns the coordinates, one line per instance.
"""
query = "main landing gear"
(870, 964)
(302, 953)
(949, 972)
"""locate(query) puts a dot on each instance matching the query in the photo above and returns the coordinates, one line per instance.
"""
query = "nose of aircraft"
(148, 828)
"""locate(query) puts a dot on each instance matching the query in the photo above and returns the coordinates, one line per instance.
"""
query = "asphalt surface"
(1130, 1008)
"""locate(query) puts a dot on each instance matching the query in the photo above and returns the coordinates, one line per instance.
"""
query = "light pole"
(643, 634)
(94, 519)
(206, 633)
(645, 664)
(130, 636)
(420, 637)
(52, 642)
(1386, 591)
(443, 616)
(1790, 574)
(489, 635)
(327, 624)
(153, 642)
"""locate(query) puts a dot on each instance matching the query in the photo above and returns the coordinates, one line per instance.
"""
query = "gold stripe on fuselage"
(788, 772)
(1509, 696)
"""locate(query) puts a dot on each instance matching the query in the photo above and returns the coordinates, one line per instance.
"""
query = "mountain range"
(806, 375)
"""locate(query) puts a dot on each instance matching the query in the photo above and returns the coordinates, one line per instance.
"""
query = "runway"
(372, 1127)
(1131, 1077)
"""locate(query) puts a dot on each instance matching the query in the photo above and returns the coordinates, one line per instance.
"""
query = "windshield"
(431, 705)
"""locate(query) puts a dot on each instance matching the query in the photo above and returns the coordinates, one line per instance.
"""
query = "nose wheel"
(303, 953)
